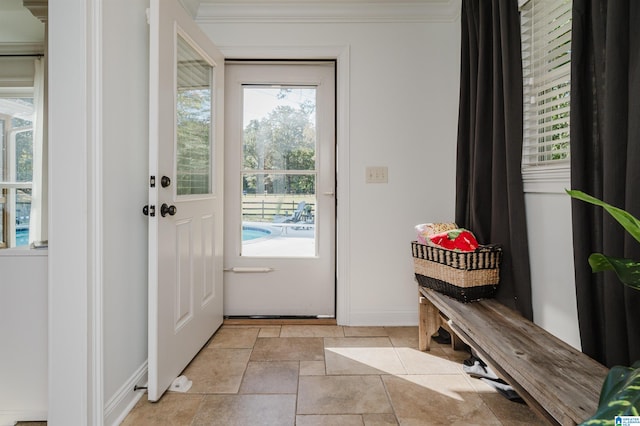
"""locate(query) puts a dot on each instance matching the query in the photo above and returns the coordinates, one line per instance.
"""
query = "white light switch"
(377, 174)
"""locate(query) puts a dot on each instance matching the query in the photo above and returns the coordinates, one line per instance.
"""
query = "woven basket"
(466, 276)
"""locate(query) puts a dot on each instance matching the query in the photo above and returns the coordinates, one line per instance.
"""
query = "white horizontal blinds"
(546, 60)
(194, 90)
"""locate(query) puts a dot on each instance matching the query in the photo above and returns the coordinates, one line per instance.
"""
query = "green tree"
(284, 140)
(193, 138)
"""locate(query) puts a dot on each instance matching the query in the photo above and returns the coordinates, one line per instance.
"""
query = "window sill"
(23, 251)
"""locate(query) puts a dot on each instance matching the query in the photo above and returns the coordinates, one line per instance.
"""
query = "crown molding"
(327, 11)
(38, 8)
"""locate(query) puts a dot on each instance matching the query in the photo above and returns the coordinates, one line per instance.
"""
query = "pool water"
(248, 233)
(22, 237)
(252, 233)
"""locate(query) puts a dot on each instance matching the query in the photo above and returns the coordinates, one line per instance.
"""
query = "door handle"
(165, 181)
(166, 209)
(248, 269)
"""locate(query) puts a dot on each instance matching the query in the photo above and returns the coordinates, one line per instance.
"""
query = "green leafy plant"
(627, 270)
(620, 394)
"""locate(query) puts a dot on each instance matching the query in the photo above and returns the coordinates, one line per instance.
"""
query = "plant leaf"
(627, 220)
(627, 270)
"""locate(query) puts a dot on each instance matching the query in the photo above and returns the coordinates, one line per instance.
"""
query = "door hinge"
(152, 181)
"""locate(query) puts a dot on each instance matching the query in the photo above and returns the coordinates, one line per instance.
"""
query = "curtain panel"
(605, 162)
(489, 189)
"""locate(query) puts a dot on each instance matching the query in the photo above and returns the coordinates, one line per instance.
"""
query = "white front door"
(185, 194)
(280, 189)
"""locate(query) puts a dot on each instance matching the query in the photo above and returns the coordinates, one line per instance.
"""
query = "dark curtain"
(489, 193)
(605, 162)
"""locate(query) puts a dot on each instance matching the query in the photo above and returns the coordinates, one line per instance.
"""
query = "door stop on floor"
(180, 384)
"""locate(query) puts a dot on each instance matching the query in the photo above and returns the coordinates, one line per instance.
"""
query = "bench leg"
(456, 343)
(428, 323)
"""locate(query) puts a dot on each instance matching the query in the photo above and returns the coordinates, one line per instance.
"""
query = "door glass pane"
(193, 121)
(279, 171)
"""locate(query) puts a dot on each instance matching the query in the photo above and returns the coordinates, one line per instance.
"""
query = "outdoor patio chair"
(294, 218)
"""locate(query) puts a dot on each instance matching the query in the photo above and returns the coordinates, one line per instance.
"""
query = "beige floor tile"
(365, 332)
(511, 413)
(243, 410)
(437, 400)
(217, 370)
(173, 409)
(311, 331)
(371, 376)
(406, 337)
(361, 355)
(288, 349)
(357, 342)
(234, 338)
(455, 356)
(342, 395)
(312, 368)
(330, 420)
(271, 377)
(379, 419)
(432, 362)
(508, 412)
(480, 386)
(269, 331)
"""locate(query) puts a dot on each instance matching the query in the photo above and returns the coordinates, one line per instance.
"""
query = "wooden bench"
(557, 381)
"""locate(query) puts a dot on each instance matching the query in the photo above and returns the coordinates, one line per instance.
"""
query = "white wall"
(403, 100)
(125, 158)
(97, 256)
(23, 335)
(403, 97)
(71, 279)
(551, 254)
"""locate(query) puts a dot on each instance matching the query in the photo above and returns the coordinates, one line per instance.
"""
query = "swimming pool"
(22, 237)
(248, 233)
(254, 232)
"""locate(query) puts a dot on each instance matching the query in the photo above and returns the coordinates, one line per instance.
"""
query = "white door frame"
(341, 55)
(75, 378)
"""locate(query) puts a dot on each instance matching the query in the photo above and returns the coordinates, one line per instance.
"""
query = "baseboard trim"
(10, 417)
(123, 401)
(384, 318)
(279, 321)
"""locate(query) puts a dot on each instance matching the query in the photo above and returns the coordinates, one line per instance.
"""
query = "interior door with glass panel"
(185, 192)
(279, 189)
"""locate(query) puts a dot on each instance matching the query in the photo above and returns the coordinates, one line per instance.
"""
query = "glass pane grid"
(16, 169)
(279, 203)
(193, 121)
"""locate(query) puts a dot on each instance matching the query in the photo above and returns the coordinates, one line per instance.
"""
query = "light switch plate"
(377, 174)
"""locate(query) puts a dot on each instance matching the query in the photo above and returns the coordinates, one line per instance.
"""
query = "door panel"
(186, 169)
(279, 189)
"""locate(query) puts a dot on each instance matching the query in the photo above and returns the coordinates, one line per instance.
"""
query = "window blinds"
(546, 62)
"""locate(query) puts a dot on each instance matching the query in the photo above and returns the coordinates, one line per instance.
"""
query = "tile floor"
(329, 375)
